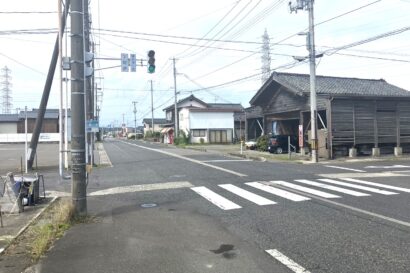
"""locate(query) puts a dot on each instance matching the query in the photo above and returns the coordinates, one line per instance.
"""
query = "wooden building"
(367, 116)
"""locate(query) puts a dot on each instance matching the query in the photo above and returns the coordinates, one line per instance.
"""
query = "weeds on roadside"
(60, 218)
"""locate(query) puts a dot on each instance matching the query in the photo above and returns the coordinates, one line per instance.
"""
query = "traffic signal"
(151, 61)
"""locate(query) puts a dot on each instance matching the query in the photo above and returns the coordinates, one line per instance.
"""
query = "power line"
(220, 21)
(368, 40)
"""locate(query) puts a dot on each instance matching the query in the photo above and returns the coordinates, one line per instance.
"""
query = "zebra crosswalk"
(286, 190)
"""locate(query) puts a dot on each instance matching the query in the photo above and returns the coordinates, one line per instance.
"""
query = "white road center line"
(279, 192)
(215, 198)
(333, 188)
(143, 187)
(188, 159)
(377, 184)
(288, 262)
(355, 186)
(304, 189)
(344, 168)
(228, 160)
(259, 200)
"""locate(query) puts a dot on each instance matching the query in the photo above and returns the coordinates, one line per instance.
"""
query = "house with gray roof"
(363, 114)
(206, 122)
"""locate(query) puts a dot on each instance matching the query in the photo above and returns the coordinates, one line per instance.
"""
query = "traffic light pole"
(78, 149)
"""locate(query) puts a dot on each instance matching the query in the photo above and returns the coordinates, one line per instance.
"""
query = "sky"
(216, 44)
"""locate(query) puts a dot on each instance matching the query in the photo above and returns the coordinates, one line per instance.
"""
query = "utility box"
(323, 150)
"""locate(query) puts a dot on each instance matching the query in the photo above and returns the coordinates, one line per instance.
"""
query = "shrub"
(262, 143)
(202, 140)
(183, 138)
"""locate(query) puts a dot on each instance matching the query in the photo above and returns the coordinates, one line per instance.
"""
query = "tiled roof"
(156, 121)
(9, 118)
(340, 85)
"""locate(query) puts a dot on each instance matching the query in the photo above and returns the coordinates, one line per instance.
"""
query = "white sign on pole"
(124, 62)
(133, 62)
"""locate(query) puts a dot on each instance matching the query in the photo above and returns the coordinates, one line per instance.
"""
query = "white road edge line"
(344, 168)
(215, 198)
(188, 159)
(143, 187)
(288, 262)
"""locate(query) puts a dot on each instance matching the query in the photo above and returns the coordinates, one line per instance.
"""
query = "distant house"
(8, 123)
(13, 125)
(370, 116)
(158, 124)
(207, 122)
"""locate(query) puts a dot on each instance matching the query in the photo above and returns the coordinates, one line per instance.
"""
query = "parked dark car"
(279, 144)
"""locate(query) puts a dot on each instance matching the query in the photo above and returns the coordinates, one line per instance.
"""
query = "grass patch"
(60, 217)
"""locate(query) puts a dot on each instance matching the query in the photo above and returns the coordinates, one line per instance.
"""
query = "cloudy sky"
(216, 43)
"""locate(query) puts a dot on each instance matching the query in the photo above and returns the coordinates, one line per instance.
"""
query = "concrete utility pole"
(308, 5)
(135, 119)
(60, 108)
(176, 102)
(78, 178)
(152, 109)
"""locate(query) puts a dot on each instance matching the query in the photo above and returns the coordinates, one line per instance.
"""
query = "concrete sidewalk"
(47, 164)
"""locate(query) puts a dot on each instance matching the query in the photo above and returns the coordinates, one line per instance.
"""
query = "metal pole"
(78, 178)
(175, 106)
(25, 130)
(312, 62)
(60, 108)
(46, 93)
(66, 111)
(152, 109)
(135, 120)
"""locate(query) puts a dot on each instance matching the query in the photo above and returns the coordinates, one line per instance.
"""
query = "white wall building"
(205, 122)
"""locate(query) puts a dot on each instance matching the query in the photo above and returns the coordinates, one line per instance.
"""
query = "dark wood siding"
(285, 101)
(403, 108)
(360, 121)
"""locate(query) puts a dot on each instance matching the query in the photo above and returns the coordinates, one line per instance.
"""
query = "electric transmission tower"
(265, 57)
(6, 90)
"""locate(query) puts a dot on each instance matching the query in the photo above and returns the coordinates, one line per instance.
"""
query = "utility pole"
(152, 109)
(308, 5)
(135, 119)
(78, 147)
(175, 106)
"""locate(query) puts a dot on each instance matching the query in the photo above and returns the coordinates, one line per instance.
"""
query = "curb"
(28, 224)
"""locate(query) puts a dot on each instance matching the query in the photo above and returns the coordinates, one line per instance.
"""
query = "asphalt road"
(161, 209)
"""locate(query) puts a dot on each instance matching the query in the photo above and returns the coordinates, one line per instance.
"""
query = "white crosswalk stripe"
(259, 200)
(279, 192)
(333, 188)
(269, 187)
(376, 184)
(305, 189)
(215, 198)
(355, 186)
